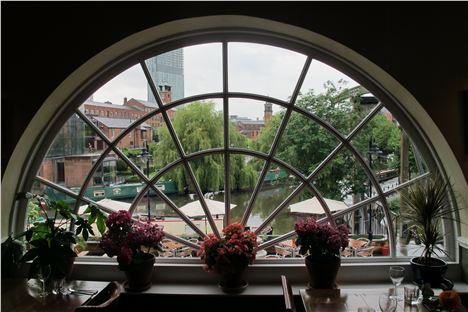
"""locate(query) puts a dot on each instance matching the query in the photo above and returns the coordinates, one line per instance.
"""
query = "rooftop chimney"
(125, 100)
(166, 94)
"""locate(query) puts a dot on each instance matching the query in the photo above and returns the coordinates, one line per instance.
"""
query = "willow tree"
(200, 127)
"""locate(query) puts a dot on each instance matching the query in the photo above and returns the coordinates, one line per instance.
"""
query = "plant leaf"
(100, 222)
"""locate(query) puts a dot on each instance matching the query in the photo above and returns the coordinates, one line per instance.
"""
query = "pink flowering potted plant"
(322, 244)
(134, 243)
(229, 256)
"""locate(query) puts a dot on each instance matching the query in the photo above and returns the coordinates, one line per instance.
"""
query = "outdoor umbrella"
(115, 205)
(194, 209)
(313, 206)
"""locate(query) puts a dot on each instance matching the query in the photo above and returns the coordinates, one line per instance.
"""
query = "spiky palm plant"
(427, 204)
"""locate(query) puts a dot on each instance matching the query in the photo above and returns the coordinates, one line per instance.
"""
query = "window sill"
(463, 242)
(257, 274)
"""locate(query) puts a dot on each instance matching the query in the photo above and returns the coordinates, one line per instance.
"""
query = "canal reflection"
(267, 200)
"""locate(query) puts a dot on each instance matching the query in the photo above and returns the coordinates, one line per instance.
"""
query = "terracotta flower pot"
(139, 274)
(322, 271)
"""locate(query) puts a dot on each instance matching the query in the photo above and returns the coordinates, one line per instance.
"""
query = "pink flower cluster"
(230, 254)
(128, 239)
(320, 239)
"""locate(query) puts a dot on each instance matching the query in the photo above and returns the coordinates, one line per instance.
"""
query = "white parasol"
(313, 206)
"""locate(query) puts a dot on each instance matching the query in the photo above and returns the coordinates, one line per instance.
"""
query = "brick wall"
(76, 170)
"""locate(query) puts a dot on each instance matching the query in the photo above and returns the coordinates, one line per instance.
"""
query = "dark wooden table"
(349, 300)
(19, 294)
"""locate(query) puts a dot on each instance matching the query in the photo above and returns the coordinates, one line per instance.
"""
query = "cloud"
(254, 68)
(131, 83)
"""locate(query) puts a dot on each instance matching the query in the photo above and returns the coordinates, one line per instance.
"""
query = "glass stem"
(396, 294)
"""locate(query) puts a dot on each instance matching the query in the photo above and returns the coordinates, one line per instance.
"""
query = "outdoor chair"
(283, 251)
(347, 252)
(365, 252)
(184, 252)
(364, 240)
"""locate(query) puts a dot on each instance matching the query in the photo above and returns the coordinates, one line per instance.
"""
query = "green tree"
(200, 127)
(305, 144)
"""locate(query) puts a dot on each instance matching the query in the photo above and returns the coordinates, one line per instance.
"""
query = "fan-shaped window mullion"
(111, 146)
(227, 159)
(70, 193)
(165, 198)
(276, 140)
(327, 160)
(180, 149)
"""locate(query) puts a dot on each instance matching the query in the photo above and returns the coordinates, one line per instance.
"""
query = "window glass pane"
(276, 187)
(244, 176)
(336, 106)
(262, 69)
(203, 69)
(71, 155)
(306, 204)
(187, 201)
(320, 73)
(379, 144)
(163, 149)
(361, 223)
(167, 72)
(407, 240)
(209, 172)
(198, 125)
(124, 94)
(305, 144)
(254, 123)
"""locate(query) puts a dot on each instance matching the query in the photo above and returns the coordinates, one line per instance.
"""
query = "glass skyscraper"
(167, 69)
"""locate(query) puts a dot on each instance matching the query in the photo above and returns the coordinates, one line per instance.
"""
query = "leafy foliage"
(200, 127)
(12, 250)
(305, 144)
(427, 205)
(49, 240)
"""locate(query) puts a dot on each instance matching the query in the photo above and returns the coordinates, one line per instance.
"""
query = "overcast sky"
(252, 68)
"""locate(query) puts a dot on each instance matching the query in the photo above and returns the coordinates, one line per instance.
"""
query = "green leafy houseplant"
(427, 204)
(49, 240)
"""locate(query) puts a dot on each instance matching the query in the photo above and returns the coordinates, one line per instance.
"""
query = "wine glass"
(397, 273)
(387, 303)
(43, 274)
(59, 288)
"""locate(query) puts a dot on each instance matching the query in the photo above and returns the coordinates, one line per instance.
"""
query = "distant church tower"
(268, 113)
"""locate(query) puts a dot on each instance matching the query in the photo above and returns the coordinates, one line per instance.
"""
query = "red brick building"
(112, 127)
(251, 128)
(130, 109)
(69, 166)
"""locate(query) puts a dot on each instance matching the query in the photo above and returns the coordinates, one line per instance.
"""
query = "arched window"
(269, 130)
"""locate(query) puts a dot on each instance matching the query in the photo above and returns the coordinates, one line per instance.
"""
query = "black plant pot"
(139, 273)
(322, 271)
(432, 272)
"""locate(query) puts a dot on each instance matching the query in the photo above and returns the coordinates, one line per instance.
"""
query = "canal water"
(267, 200)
